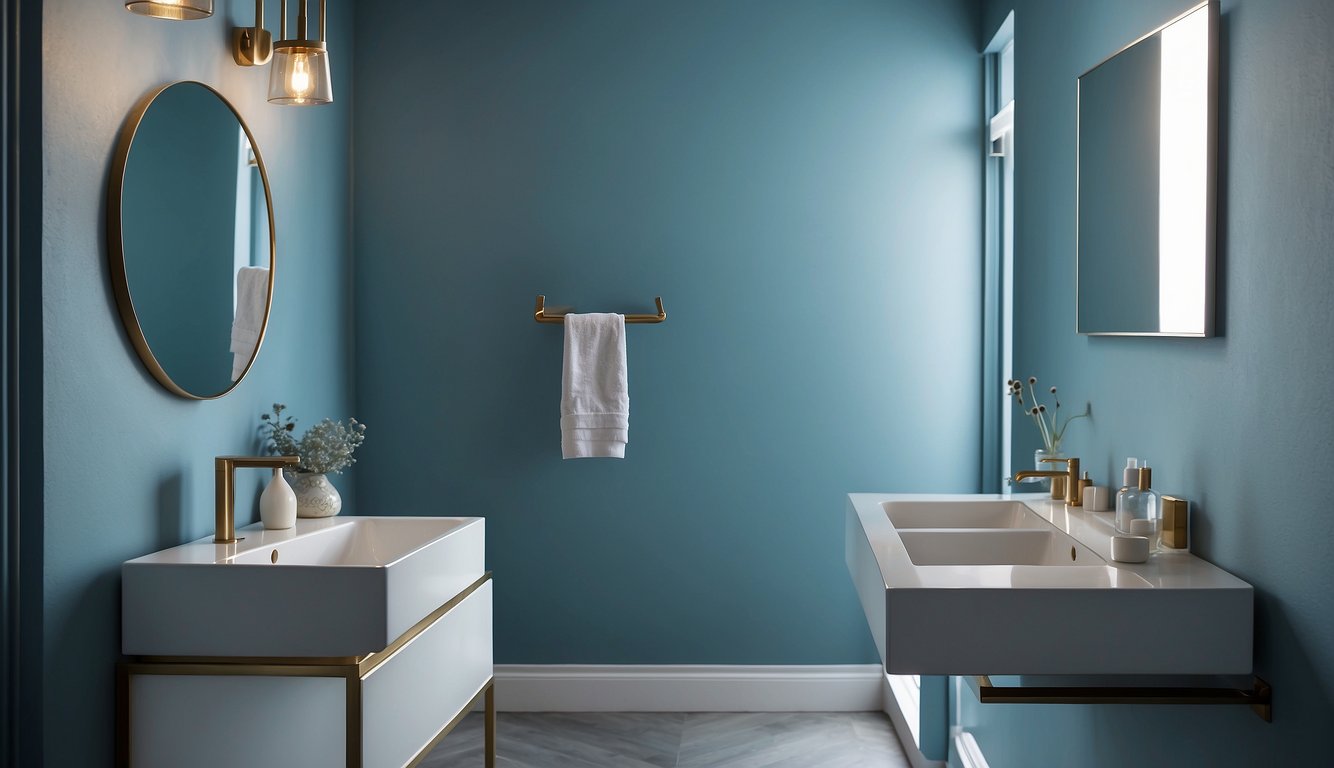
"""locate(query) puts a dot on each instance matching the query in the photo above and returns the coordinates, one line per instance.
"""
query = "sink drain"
(273, 558)
(275, 554)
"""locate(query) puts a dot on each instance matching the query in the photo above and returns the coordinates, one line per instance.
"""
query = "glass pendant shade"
(299, 74)
(180, 10)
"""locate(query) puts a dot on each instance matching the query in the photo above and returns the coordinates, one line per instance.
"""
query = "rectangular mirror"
(1147, 173)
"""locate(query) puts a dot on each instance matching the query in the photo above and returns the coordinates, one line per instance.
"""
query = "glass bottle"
(1127, 505)
(1138, 509)
(1129, 475)
(1150, 517)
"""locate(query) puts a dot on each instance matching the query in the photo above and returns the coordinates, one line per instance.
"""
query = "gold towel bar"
(540, 315)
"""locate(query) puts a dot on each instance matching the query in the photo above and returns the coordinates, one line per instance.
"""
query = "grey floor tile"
(677, 740)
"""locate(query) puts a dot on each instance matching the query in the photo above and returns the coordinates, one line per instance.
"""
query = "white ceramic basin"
(977, 514)
(329, 588)
(996, 547)
(1001, 585)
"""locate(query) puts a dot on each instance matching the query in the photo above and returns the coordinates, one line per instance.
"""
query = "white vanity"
(344, 641)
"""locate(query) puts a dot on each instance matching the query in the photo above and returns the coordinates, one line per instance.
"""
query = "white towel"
(252, 297)
(595, 395)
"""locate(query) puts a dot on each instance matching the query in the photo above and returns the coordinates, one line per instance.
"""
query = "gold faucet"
(224, 492)
(1072, 489)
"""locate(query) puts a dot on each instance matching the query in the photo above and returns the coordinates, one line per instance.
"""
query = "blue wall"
(1239, 424)
(129, 466)
(799, 182)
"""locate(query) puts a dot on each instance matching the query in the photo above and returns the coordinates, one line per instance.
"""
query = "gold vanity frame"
(353, 669)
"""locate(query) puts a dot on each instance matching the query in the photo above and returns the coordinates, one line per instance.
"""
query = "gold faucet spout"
(224, 490)
(1025, 474)
(1072, 491)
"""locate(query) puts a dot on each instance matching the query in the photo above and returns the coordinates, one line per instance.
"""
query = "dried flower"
(325, 447)
(1052, 428)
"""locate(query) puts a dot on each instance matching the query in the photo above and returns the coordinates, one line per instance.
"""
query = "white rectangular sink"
(339, 587)
(1022, 585)
(979, 514)
(996, 547)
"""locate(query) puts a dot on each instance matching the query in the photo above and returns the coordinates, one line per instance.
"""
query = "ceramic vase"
(315, 495)
(277, 504)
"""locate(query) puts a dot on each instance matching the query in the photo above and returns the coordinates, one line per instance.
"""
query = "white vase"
(277, 504)
(315, 495)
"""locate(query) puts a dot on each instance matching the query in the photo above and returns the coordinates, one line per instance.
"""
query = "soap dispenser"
(1137, 509)
(1127, 499)
(1129, 475)
(277, 504)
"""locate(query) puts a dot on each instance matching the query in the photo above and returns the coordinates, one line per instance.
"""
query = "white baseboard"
(970, 755)
(670, 688)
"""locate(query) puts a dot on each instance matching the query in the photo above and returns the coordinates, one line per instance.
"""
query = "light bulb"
(299, 85)
(300, 74)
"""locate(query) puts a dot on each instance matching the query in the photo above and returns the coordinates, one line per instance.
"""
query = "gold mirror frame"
(120, 284)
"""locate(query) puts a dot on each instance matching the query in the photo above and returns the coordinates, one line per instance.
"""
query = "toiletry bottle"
(1150, 510)
(1127, 499)
(1137, 509)
(1129, 475)
(1175, 524)
(1127, 504)
(277, 504)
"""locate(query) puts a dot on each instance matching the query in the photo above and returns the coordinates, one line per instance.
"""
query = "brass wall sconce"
(300, 73)
(179, 10)
(253, 46)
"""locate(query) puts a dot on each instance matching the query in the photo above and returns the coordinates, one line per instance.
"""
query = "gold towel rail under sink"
(539, 314)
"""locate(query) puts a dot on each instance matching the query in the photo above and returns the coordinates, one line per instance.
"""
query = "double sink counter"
(1023, 585)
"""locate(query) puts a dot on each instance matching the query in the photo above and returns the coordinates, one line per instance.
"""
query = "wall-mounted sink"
(990, 584)
(336, 587)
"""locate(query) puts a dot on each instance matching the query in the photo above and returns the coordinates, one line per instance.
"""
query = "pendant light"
(300, 71)
(180, 10)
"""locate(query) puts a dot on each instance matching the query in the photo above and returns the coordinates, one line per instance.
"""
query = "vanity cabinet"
(379, 710)
(386, 709)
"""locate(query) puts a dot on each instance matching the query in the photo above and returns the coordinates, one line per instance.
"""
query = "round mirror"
(191, 239)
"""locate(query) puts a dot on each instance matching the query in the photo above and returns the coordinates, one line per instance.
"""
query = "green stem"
(1088, 407)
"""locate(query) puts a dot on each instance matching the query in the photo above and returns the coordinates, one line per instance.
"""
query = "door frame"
(21, 475)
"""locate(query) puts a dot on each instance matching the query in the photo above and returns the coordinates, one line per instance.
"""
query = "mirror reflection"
(195, 240)
(1146, 179)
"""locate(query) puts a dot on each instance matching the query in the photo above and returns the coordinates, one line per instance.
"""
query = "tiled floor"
(677, 740)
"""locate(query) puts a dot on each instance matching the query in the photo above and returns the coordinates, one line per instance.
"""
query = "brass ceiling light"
(180, 10)
(300, 72)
